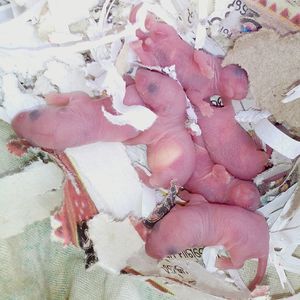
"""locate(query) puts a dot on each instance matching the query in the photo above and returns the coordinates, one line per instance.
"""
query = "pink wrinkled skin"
(230, 145)
(170, 151)
(216, 165)
(202, 76)
(196, 69)
(217, 185)
(72, 119)
(243, 234)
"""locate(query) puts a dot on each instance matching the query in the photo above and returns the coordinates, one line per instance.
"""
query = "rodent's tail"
(261, 270)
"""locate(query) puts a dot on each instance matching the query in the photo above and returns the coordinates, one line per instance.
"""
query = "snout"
(19, 123)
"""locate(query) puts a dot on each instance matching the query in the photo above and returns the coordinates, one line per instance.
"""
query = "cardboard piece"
(282, 15)
(272, 63)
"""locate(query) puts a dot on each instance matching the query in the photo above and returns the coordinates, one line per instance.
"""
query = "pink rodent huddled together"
(216, 169)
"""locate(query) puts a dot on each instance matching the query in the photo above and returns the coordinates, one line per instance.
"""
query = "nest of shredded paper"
(65, 46)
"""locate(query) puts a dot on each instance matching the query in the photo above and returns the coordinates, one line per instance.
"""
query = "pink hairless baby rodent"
(217, 185)
(75, 119)
(202, 76)
(243, 234)
(228, 144)
(170, 151)
(196, 70)
(71, 119)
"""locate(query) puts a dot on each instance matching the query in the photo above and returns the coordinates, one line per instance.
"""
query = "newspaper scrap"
(163, 207)
(77, 205)
(283, 13)
(86, 244)
(187, 268)
(232, 18)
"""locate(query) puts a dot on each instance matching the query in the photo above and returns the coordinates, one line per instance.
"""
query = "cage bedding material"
(206, 72)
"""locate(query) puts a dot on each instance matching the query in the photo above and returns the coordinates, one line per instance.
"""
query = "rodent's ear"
(228, 91)
(205, 63)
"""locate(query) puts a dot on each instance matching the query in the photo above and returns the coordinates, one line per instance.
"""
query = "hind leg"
(237, 257)
(225, 263)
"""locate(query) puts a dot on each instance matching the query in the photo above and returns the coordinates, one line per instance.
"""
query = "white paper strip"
(138, 116)
(283, 219)
(29, 196)
(109, 177)
(292, 264)
(5, 13)
(285, 237)
(278, 202)
(276, 139)
(252, 115)
(292, 95)
(114, 242)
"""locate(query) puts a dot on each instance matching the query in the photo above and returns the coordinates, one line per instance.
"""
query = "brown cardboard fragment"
(281, 15)
(273, 66)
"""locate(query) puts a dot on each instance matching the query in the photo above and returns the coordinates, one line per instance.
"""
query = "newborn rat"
(70, 120)
(202, 76)
(243, 234)
(170, 151)
(217, 185)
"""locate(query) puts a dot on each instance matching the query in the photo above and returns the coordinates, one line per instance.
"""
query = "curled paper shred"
(163, 207)
(209, 257)
(284, 238)
(201, 34)
(15, 100)
(192, 121)
(138, 116)
(278, 202)
(279, 269)
(252, 116)
(82, 46)
(288, 212)
(292, 95)
(276, 139)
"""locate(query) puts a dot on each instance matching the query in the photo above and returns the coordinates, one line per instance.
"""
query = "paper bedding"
(65, 46)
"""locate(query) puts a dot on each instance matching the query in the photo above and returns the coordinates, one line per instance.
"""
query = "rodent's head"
(159, 92)
(233, 83)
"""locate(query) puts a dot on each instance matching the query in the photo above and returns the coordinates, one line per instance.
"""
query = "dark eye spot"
(239, 72)
(34, 115)
(152, 87)
(172, 251)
